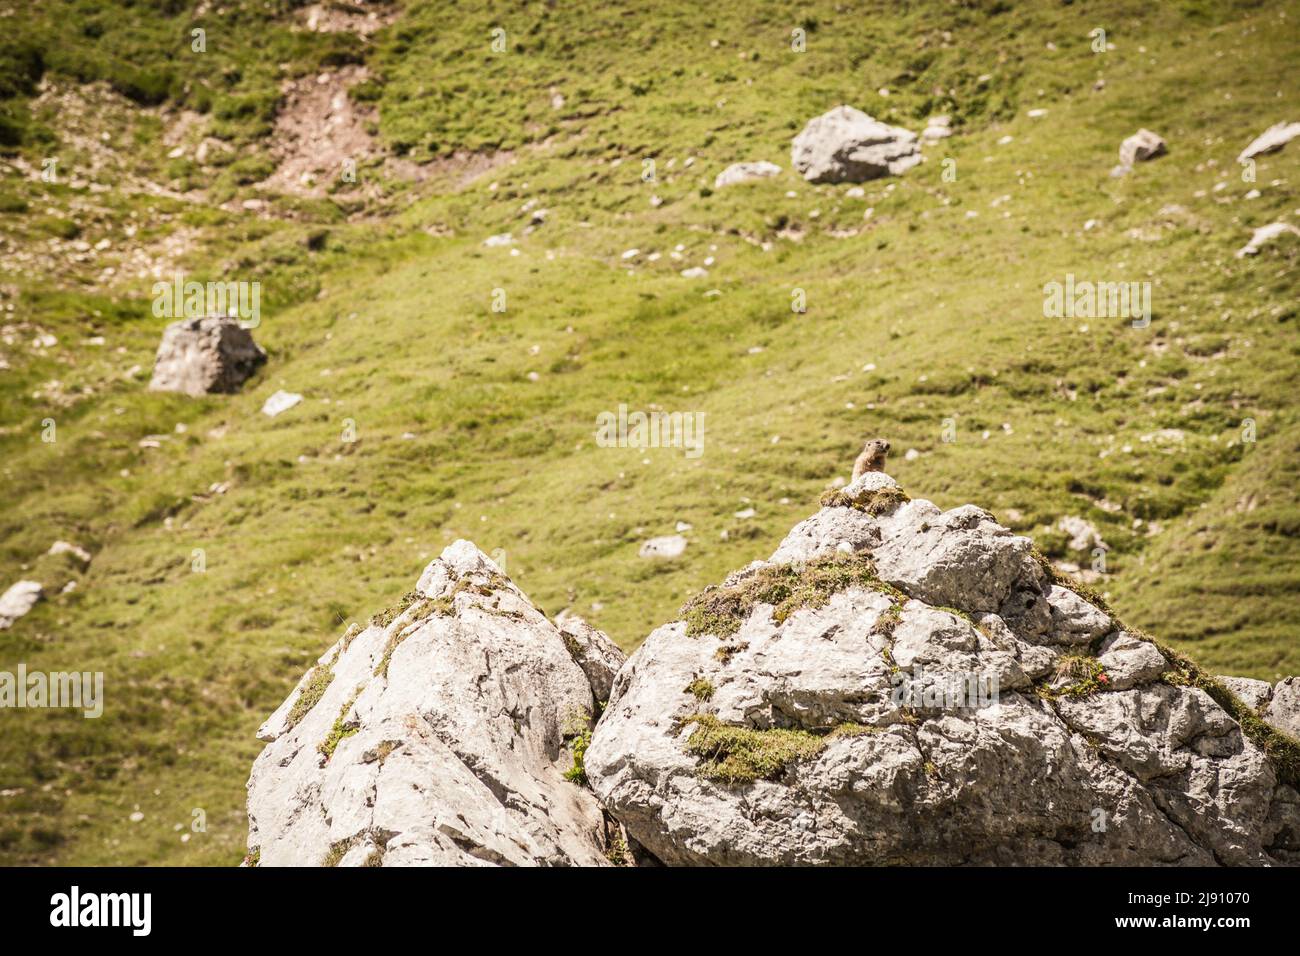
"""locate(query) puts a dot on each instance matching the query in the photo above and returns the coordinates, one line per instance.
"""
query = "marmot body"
(872, 458)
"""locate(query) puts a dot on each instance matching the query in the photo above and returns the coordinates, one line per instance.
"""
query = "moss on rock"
(787, 587)
(874, 501)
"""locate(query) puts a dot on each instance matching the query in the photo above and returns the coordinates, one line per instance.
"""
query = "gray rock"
(667, 547)
(17, 601)
(1142, 146)
(1074, 620)
(866, 728)
(745, 172)
(960, 558)
(436, 737)
(199, 356)
(1265, 235)
(81, 555)
(1129, 661)
(847, 145)
(1271, 140)
(936, 128)
(280, 401)
(1253, 693)
(1283, 710)
(592, 650)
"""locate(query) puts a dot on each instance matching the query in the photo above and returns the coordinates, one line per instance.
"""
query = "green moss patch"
(742, 754)
(787, 587)
(318, 681)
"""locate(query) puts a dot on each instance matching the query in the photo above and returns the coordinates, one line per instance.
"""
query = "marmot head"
(877, 448)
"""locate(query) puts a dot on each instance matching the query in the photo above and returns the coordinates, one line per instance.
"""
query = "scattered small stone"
(666, 547)
(281, 401)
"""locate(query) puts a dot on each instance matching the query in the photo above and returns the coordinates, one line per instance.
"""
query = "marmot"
(872, 458)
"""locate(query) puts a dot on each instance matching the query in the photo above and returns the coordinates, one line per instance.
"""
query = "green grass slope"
(924, 314)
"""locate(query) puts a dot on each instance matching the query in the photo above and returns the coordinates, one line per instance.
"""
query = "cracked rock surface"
(439, 734)
(960, 708)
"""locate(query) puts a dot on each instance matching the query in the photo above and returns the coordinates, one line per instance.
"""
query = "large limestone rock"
(440, 734)
(901, 684)
(210, 354)
(847, 145)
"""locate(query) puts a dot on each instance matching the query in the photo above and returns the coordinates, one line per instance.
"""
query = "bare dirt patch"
(319, 130)
(359, 17)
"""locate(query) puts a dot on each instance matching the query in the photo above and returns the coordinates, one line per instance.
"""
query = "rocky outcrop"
(204, 355)
(901, 684)
(1142, 146)
(846, 145)
(442, 733)
(897, 684)
(745, 172)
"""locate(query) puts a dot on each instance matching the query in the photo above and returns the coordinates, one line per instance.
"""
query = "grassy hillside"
(924, 305)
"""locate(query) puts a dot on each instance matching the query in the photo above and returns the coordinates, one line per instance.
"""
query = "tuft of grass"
(702, 688)
(339, 850)
(341, 730)
(390, 614)
(888, 620)
(875, 502)
(726, 652)
(578, 772)
(1086, 675)
(787, 587)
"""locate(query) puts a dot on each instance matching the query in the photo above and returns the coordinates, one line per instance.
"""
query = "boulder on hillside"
(1271, 140)
(17, 601)
(745, 172)
(440, 734)
(1266, 235)
(847, 145)
(1142, 146)
(900, 684)
(204, 355)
